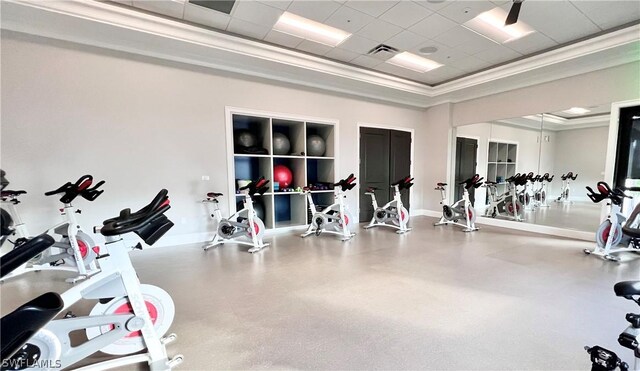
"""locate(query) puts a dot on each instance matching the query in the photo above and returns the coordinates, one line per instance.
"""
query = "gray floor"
(578, 215)
(436, 298)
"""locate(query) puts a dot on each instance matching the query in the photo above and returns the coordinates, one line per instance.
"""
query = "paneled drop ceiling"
(410, 26)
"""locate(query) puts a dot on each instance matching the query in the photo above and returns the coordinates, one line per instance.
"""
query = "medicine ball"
(281, 144)
(315, 145)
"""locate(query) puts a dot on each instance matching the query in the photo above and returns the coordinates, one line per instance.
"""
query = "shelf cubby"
(297, 168)
(326, 132)
(320, 171)
(251, 168)
(295, 132)
(290, 210)
(260, 127)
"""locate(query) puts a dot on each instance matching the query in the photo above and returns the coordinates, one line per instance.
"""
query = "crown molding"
(112, 27)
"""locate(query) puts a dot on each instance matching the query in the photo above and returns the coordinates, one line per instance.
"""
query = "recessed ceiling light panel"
(490, 24)
(295, 25)
(413, 62)
(576, 111)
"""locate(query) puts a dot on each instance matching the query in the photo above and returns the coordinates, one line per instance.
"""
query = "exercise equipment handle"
(128, 222)
(80, 188)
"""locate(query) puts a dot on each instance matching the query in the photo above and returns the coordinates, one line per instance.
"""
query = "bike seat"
(214, 194)
(8, 193)
(441, 184)
(19, 325)
(490, 183)
(627, 289)
(24, 252)
(372, 189)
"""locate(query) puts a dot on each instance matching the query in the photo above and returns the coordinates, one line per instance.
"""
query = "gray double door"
(385, 157)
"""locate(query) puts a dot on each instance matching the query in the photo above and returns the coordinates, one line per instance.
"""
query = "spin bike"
(75, 251)
(237, 225)
(393, 214)
(565, 191)
(524, 195)
(335, 218)
(462, 209)
(503, 205)
(128, 318)
(540, 193)
(610, 233)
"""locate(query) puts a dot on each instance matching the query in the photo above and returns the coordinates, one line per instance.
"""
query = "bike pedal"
(168, 339)
(175, 361)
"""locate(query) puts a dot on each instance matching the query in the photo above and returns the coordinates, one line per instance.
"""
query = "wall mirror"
(557, 154)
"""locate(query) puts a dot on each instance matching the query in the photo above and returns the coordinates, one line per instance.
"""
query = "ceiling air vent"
(223, 6)
(384, 51)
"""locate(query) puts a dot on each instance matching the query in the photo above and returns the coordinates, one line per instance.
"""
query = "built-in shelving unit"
(501, 162)
(288, 208)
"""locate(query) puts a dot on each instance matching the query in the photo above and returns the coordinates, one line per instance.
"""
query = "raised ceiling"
(410, 26)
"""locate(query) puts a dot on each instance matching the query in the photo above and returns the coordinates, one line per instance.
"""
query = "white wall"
(584, 152)
(143, 124)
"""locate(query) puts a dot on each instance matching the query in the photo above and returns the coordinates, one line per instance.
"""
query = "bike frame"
(256, 243)
(117, 279)
(397, 201)
(469, 226)
(338, 197)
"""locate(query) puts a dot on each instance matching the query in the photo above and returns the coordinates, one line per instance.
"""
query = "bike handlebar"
(82, 187)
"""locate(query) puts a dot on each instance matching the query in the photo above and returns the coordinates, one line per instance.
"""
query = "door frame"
(386, 127)
(452, 189)
(612, 145)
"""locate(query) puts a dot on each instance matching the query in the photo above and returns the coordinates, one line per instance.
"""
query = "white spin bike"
(462, 209)
(393, 214)
(75, 251)
(335, 218)
(237, 228)
(610, 233)
(129, 317)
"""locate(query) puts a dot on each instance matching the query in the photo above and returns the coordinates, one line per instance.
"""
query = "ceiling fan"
(514, 12)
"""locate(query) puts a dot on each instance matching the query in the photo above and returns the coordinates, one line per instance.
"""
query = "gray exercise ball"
(281, 144)
(245, 138)
(315, 145)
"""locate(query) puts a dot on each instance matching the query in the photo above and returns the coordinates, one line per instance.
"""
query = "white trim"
(386, 127)
(101, 24)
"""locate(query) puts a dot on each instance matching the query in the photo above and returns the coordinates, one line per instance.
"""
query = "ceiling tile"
(281, 38)
(317, 10)
(313, 47)
(167, 7)
(433, 5)
(358, 44)
(249, 29)
(348, 19)
(405, 14)
(379, 30)
(256, 13)
(366, 61)
(463, 10)
(458, 36)
(497, 54)
(406, 40)
(445, 73)
(609, 14)
(373, 8)
(432, 26)
(443, 55)
(341, 54)
(559, 20)
(469, 64)
(280, 4)
(531, 43)
(475, 46)
(204, 16)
